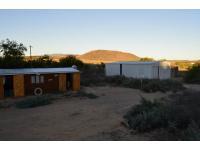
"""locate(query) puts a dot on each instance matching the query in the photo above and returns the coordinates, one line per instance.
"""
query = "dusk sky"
(169, 34)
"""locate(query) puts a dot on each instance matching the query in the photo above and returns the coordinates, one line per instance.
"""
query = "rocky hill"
(98, 56)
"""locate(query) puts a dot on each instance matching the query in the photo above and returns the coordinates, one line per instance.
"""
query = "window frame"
(37, 79)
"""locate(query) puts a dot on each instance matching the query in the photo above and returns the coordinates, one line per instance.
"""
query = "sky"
(161, 34)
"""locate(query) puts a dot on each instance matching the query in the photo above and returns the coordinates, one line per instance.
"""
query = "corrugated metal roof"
(36, 71)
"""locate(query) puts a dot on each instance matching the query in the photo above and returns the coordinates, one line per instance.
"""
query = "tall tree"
(12, 49)
(13, 54)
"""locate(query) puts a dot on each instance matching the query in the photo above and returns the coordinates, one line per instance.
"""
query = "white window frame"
(33, 79)
(37, 79)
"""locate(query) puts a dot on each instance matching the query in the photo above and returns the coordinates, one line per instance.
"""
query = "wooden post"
(76, 81)
(1, 87)
(18, 85)
(62, 82)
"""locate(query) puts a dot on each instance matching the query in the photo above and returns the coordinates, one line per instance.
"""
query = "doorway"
(69, 81)
(8, 86)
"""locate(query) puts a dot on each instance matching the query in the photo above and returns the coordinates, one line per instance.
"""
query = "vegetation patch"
(34, 102)
(94, 75)
(177, 117)
(146, 85)
(193, 74)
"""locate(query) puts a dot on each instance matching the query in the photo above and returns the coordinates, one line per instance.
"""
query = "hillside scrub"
(193, 74)
(146, 85)
(175, 118)
(93, 75)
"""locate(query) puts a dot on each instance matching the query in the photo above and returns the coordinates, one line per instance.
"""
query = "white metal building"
(145, 70)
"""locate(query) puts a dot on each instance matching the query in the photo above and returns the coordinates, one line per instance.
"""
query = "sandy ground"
(75, 118)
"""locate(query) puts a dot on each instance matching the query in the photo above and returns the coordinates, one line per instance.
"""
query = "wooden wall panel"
(62, 82)
(76, 81)
(1, 88)
(18, 85)
(50, 85)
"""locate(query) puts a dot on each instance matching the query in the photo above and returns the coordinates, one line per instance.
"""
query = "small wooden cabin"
(37, 81)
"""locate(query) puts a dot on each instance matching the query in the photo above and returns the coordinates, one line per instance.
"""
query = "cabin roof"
(37, 71)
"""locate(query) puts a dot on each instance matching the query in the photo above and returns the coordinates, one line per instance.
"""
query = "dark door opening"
(8, 86)
(120, 69)
(69, 81)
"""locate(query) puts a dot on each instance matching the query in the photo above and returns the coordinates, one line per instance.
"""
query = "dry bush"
(177, 117)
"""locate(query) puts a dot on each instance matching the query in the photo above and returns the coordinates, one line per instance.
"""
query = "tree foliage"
(69, 61)
(146, 59)
(12, 49)
(193, 74)
(43, 61)
(13, 57)
(12, 54)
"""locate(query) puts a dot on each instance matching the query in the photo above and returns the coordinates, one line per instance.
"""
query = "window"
(32, 79)
(36, 79)
(41, 79)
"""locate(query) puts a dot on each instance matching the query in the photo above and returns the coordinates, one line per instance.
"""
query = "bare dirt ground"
(75, 118)
(195, 87)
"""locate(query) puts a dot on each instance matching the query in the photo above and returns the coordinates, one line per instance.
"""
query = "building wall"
(1, 87)
(51, 84)
(112, 69)
(138, 71)
(147, 71)
(22, 84)
(76, 81)
(18, 85)
(62, 82)
(164, 73)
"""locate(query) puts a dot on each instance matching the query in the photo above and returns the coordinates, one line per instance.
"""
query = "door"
(69, 81)
(8, 86)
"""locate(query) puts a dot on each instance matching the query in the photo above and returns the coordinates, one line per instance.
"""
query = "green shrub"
(162, 85)
(178, 116)
(69, 61)
(34, 102)
(93, 75)
(193, 74)
(146, 116)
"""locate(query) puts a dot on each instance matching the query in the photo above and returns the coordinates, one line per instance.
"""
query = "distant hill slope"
(98, 56)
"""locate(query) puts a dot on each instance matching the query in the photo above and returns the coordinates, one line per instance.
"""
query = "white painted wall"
(140, 70)
(164, 70)
(137, 71)
(112, 69)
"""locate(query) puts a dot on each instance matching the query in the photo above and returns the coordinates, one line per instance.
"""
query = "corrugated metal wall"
(112, 69)
(140, 70)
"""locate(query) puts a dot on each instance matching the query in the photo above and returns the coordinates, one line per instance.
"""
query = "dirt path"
(74, 118)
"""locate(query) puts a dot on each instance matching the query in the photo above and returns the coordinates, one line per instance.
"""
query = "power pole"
(30, 52)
